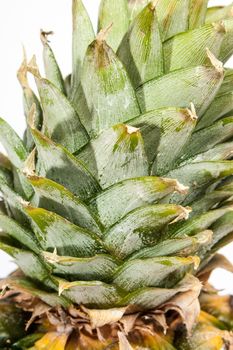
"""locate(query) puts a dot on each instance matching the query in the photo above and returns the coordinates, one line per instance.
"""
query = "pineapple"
(116, 201)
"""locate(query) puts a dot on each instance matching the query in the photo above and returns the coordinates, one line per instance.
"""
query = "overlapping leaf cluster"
(123, 182)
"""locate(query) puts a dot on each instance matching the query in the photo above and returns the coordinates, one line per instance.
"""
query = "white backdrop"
(20, 23)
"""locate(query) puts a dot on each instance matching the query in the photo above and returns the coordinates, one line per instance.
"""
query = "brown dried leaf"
(218, 261)
(39, 310)
(99, 318)
(123, 342)
(186, 304)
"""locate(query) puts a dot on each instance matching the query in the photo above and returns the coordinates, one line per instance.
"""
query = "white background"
(20, 23)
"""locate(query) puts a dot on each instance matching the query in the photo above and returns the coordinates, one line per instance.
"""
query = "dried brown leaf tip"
(32, 67)
(22, 72)
(44, 36)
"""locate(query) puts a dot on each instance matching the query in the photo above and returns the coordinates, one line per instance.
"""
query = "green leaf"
(189, 49)
(199, 175)
(15, 203)
(21, 234)
(109, 95)
(227, 84)
(61, 122)
(83, 35)
(28, 341)
(135, 7)
(218, 13)
(141, 50)
(184, 246)
(54, 197)
(96, 268)
(118, 151)
(141, 227)
(219, 152)
(31, 265)
(227, 46)
(117, 201)
(221, 106)
(173, 17)
(5, 170)
(26, 286)
(222, 227)
(67, 83)
(109, 14)
(91, 294)
(179, 88)
(197, 13)
(165, 132)
(12, 144)
(61, 166)
(54, 232)
(52, 70)
(21, 184)
(152, 272)
(197, 224)
(210, 200)
(205, 139)
(151, 298)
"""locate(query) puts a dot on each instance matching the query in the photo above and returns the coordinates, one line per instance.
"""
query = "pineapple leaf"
(165, 132)
(173, 17)
(151, 298)
(179, 246)
(198, 85)
(21, 234)
(12, 144)
(227, 82)
(52, 70)
(222, 151)
(218, 13)
(61, 122)
(189, 49)
(26, 286)
(14, 202)
(118, 151)
(210, 200)
(143, 41)
(117, 201)
(54, 197)
(152, 272)
(29, 100)
(31, 265)
(197, 224)
(96, 268)
(62, 167)
(227, 46)
(108, 95)
(221, 106)
(199, 175)
(56, 233)
(135, 7)
(205, 139)
(109, 14)
(197, 13)
(142, 227)
(83, 35)
(222, 227)
(92, 293)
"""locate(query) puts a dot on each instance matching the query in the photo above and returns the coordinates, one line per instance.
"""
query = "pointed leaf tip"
(218, 65)
(44, 36)
(103, 33)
